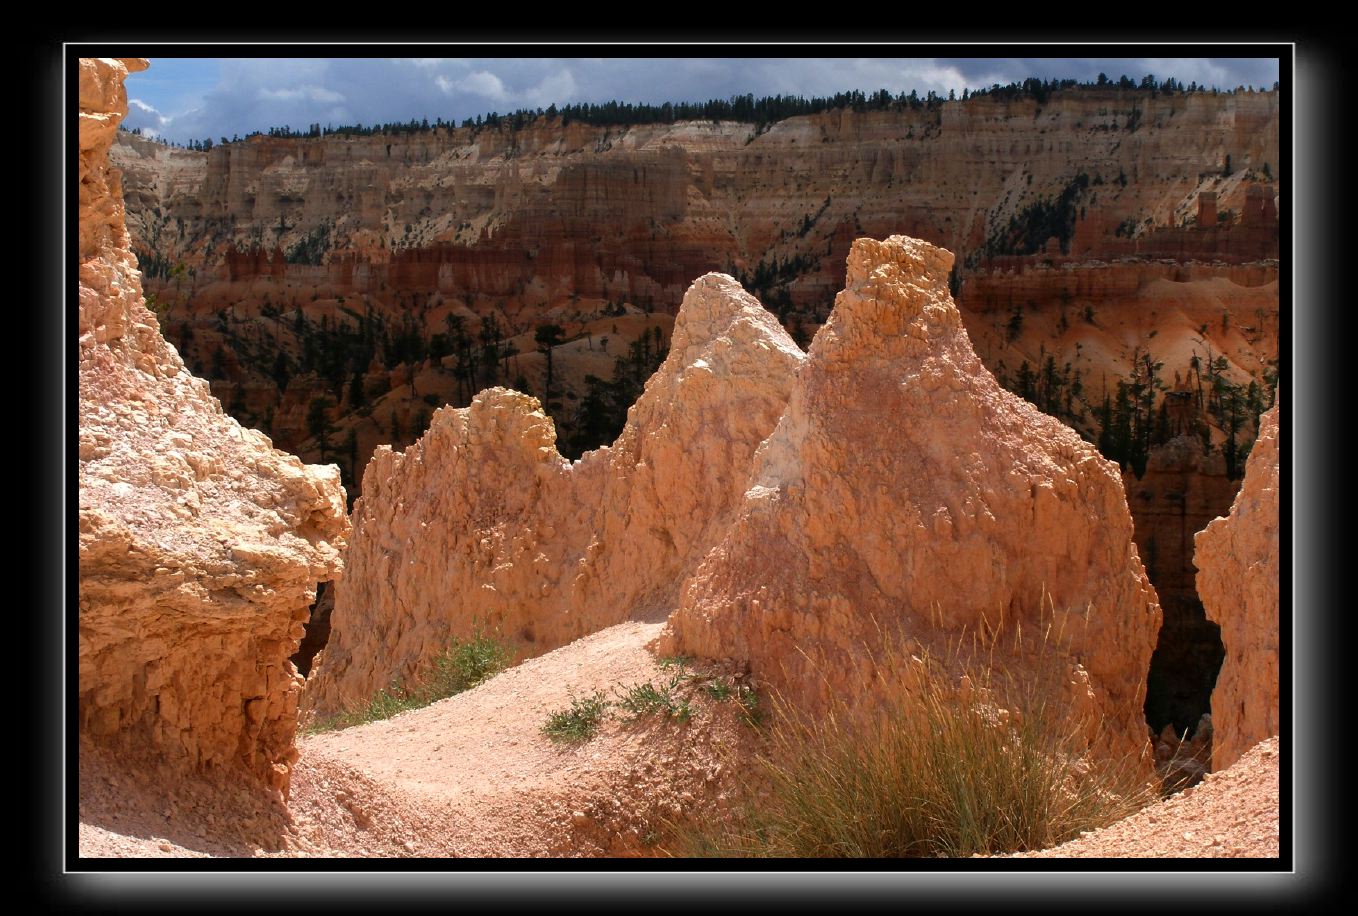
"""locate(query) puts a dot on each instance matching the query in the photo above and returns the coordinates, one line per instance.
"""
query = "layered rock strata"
(905, 490)
(200, 544)
(481, 524)
(1238, 579)
(519, 218)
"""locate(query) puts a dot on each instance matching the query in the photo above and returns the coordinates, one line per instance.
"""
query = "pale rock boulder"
(1238, 580)
(904, 492)
(482, 524)
(200, 544)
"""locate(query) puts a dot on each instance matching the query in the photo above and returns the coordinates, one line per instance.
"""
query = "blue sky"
(197, 98)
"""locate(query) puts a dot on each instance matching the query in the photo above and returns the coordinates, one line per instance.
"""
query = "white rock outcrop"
(200, 544)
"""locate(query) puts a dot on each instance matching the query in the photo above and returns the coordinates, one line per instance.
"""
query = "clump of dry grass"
(957, 758)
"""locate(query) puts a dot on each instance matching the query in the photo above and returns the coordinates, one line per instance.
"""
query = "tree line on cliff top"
(762, 111)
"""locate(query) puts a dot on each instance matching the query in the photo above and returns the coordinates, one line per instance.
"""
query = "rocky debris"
(200, 544)
(1181, 760)
(472, 776)
(1238, 579)
(482, 523)
(1230, 814)
(903, 488)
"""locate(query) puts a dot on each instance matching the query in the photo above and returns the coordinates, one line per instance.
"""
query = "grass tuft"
(579, 721)
(641, 700)
(958, 759)
(461, 666)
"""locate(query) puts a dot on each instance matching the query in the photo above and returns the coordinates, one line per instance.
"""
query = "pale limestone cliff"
(904, 490)
(482, 522)
(200, 544)
(1238, 579)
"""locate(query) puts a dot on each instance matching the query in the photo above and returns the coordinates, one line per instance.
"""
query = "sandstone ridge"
(903, 488)
(200, 544)
(1238, 579)
(482, 523)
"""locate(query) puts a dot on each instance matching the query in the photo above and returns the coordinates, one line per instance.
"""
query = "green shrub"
(579, 721)
(461, 666)
(641, 700)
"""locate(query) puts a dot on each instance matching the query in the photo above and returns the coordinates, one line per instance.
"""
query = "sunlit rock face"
(200, 544)
(1238, 579)
(481, 524)
(904, 491)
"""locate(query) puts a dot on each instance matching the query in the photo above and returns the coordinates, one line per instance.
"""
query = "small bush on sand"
(463, 665)
(641, 700)
(579, 721)
(947, 765)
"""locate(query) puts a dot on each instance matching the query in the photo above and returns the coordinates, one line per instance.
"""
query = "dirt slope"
(1231, 814)
(473, 775)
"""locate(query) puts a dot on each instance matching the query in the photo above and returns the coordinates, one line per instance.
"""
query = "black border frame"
(1312, 181)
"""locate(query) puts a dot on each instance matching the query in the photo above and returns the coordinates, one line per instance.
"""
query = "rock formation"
(482, 522)
(1238, 579)
(904, 488)
(200, 544)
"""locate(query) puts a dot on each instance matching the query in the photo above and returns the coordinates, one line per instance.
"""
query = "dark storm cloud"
(250, 95)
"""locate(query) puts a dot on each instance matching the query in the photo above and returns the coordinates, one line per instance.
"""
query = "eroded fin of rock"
(200, 544)
(904, 489)
(482, 523)
(1238, 579)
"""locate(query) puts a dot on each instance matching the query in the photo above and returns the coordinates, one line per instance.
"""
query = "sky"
(181, 99)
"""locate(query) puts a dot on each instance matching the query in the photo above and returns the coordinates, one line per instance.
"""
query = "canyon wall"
(638, 211)
(563, 222)
(1238, 579)
(200, 544)
(903, 488)
(482, 523)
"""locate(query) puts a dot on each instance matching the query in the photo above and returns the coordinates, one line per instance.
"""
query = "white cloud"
(307, 93)
(483, 83)
(144, 116)
(554, 88)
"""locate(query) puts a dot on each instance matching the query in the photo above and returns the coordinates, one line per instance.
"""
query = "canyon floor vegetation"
(956, 758)
(463, 665)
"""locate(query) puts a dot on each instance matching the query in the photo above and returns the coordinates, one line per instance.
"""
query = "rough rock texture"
(482, 521)
(904, 487)
(1238, 572)
(200, 544)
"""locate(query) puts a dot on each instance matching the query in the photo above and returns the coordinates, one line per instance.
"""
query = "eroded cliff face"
(904, 489)
(200, 544)
(482, 522)
(521, 219)
(562, 223)
(1238, 579)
